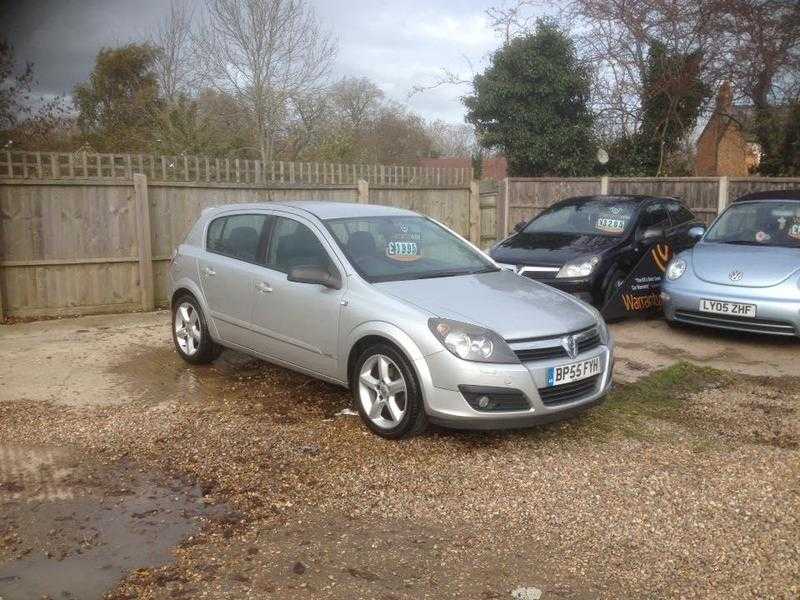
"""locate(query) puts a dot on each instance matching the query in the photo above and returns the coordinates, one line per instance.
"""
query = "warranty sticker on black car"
(573, 372)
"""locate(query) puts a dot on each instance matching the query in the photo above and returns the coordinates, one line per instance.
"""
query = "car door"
(297, 323)
(682, 220)
(233, 257)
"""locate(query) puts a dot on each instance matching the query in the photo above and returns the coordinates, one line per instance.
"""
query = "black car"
(587, 245)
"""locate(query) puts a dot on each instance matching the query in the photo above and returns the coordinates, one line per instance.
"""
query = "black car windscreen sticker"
(613, 221)
(404, 245)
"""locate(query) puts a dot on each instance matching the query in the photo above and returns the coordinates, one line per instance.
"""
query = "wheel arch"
(381, 332)
(187, 286)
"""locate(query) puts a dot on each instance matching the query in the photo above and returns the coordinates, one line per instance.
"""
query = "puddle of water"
(81, 543)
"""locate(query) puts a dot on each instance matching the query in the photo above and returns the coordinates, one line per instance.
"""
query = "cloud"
(398, 44)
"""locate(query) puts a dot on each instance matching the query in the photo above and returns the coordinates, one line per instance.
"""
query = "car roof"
(635, 198)
(777, 195)
(323, 210)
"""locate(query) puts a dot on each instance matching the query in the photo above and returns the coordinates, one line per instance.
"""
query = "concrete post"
(363, 191)
(144, 240)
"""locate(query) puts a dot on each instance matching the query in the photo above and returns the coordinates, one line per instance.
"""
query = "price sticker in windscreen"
(403, 246)
(610, 224)
(794, 229)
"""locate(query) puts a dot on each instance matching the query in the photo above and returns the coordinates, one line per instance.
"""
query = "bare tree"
(452, 139)
(174, 64)
(356, 99)
(264, 52)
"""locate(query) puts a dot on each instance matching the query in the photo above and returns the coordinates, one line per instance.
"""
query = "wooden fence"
(84, 239)
(519, 199)
(114, 167)
(71, 246)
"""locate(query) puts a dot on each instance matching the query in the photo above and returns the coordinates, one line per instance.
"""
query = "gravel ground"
(684, 485)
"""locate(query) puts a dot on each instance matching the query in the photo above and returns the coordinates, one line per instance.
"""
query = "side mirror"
(520, 226)
(697, 232)
(649, 234)
(315, 275)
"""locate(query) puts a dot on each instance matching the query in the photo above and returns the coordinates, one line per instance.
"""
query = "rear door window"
(238, 236)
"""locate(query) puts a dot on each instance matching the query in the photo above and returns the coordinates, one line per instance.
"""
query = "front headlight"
(602, 326)
(582, 267)
(471, 342)
(675, 269)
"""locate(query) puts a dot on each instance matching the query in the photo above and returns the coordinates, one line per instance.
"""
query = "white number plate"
(573, 372)
(721, 307)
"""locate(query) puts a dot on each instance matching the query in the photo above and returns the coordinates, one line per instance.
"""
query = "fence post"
(363, 191)
(504, 208)
(722, 199)
(604, 185)
(475, 212)
(144, 239)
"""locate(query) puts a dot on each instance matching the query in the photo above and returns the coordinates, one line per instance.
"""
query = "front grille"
(556, 350)
(735, 323)
(568, 392)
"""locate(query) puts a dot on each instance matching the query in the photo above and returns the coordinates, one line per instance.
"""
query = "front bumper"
(446, 404)
(777, 309)
(580, 288)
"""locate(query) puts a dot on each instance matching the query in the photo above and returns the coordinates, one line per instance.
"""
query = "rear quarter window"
(237, 236)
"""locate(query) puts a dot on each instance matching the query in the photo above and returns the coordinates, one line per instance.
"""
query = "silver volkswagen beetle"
(420, 324)
(744, 274)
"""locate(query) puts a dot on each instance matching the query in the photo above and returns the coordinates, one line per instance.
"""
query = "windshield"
(758, 224)
(607, 217)
(397, 248)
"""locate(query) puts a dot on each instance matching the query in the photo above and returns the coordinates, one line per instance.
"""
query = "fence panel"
(68, 249)
(701, 194)
(448, 205)
(745, 185)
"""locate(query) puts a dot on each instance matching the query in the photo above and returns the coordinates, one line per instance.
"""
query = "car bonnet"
(512, 306)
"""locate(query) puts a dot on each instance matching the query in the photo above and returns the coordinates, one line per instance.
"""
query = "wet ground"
(124, 471)
(73, 527)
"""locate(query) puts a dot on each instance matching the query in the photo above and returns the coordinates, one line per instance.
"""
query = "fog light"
(665, 296)
(483, 401)
(492, 399)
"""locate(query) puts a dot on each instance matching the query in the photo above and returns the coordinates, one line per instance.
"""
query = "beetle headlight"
(471, 342)
(582, 267)
(675, 269)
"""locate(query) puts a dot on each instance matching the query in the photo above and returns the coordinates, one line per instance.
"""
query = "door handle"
(209, 272)
(263, 287)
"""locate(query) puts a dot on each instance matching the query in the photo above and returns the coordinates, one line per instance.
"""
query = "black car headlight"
(581, 267)
(471, 342)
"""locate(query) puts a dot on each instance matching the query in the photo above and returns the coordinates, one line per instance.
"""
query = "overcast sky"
(396, 43)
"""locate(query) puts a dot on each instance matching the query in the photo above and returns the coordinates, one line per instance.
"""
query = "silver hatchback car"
(418, 323)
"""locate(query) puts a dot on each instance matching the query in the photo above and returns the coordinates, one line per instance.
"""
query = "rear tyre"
(386, 393)
(190, 332)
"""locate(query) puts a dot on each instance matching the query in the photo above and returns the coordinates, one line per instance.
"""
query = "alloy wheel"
(382, 391)
(187, 329)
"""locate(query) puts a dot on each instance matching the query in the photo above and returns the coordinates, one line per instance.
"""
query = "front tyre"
(386, 393)
(190, 332)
